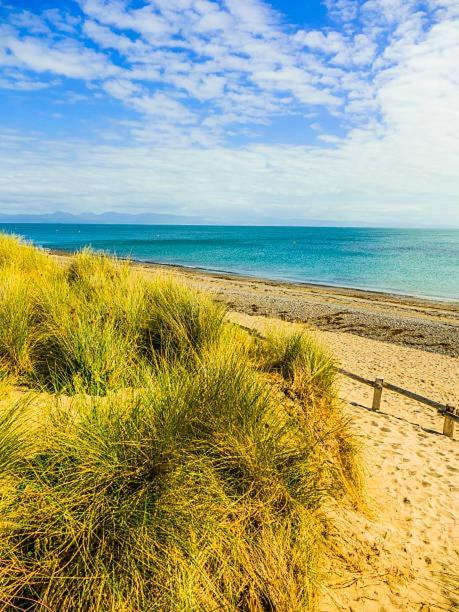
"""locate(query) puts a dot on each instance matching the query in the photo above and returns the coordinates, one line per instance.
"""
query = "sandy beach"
(229, 306)
(400, 548)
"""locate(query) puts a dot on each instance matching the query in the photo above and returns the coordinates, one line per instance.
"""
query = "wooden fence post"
(378, 387)
(448, 424)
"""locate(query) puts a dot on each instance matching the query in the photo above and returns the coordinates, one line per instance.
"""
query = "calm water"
(415, 262)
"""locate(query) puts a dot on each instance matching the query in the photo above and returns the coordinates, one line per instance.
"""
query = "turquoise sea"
(420, 262)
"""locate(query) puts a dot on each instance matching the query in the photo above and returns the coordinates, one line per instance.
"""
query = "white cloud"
(358, 50)
(164, 107)
(33, 23)
(15, 80)
(67, 58)
(253, 16)
(223, 48)
(108, 39)
(61, 20)
(343, 10)
(114, 13)
(328, 42)
(22, 84)
(213, 21)
(121, 88)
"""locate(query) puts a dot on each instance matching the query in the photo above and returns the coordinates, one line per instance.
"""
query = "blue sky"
(232, 110)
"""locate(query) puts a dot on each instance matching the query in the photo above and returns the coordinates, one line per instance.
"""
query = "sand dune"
(408, 555)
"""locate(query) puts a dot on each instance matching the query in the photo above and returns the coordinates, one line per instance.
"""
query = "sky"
(235, 111)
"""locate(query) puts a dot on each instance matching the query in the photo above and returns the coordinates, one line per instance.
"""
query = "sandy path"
(413, 477)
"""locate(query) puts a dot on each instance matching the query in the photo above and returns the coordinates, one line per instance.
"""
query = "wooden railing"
(449, 412)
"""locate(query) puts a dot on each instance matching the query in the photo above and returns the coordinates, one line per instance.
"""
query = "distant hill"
(116, 218)
(104, 218)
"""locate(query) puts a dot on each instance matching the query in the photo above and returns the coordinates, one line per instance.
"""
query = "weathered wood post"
(378, 387)
(448, 423)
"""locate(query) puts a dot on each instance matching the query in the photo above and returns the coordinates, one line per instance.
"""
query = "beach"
(229, 306)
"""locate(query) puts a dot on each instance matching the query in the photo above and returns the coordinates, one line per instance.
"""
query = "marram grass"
(16, 325)
(188, 467)
(300, 360)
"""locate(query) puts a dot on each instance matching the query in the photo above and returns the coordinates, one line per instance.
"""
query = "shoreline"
(280, 281)
(421, 323)
(453, 302)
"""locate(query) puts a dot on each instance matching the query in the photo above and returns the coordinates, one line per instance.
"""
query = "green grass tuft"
(194, 493)
(181, 322)
(23, 256)
(88, 326)
(17, 336)
(300, 360)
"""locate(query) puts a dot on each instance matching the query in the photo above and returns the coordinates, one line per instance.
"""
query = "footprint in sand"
(422, 434)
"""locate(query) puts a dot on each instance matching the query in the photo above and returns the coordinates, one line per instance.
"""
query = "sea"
(416, 262)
